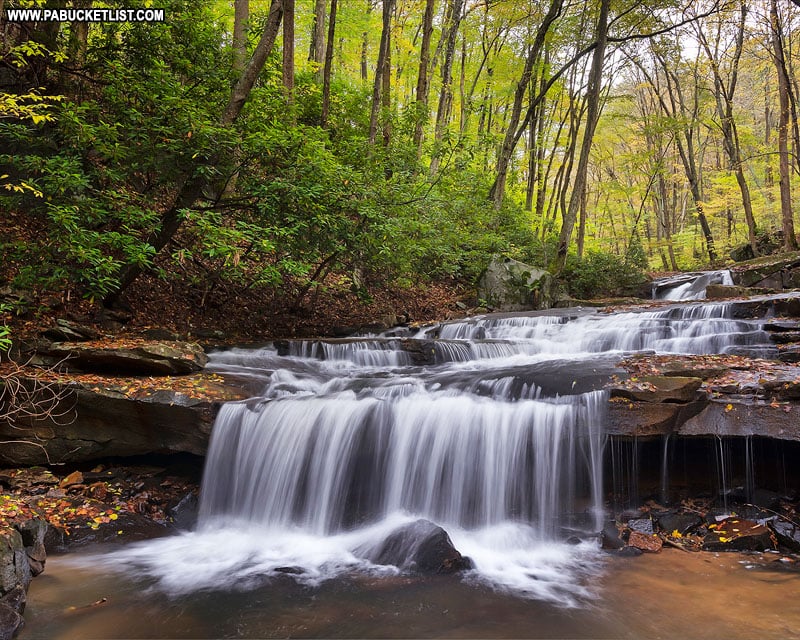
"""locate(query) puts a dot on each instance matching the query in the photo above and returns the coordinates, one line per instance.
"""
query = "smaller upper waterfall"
(689, 286)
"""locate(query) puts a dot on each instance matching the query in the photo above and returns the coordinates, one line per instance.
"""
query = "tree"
(288, 49)
(724, 92)
(326, 73)
(381, 69)
(191, 182)
(784, 116)
(592, 114)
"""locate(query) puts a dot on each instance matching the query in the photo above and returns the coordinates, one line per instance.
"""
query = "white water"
(499, 443)
(693, 288)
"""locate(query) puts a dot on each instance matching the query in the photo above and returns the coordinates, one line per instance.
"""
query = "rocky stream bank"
(105, 437)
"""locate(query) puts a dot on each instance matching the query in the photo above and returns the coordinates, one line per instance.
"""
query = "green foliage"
(601, 274)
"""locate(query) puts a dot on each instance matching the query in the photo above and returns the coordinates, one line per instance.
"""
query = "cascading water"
(499, 439)
(690, 286)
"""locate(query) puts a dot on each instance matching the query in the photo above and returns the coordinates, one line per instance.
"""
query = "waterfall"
(690, 286)
(491, 427)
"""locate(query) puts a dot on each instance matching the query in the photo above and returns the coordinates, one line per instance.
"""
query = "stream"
(491, 428)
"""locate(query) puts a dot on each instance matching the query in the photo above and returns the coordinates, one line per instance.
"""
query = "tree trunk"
(241, 14)
(423, 81)
(446, 92)
(288, 49)
(386, 93)
(787, 219)
(191, 185)
(317, 50)
(326, 73)
(509, 142)
(724, 98)
(593, 94)
(383, 53)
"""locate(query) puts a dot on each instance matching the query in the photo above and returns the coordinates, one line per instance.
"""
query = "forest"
(293, 149)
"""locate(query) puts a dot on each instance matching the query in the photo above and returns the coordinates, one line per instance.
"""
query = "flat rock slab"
(724, 417)
(735, 534)
(658, 389)
(150, 358)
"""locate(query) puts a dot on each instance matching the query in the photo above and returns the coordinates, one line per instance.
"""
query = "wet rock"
(658, 389)
(787, 533)
(11, 623)
(17, 598)
(149, 359)
(184, 514)
(735, 534)
(291, 571)
(420, 546)
(33, 532)
(610, 537)
(725, 417)
(683, 523)
(649, 543)
(159, 333)
(789, 353)
(642, 525)
(722, 292)
(628, 552)
(766, 499)
(640, 419)
(14, 567)
(780, 326)
(785, 337)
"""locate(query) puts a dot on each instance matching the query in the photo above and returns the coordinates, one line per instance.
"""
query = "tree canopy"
(299, 144)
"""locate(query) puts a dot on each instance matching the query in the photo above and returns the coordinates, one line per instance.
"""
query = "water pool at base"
(667, 595)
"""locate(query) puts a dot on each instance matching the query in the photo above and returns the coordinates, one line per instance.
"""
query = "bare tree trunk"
(506, 151)
(423, 81)
(241, 14)
(446, 92)
(724, 97)
(383, 53)
(326, 74)
(288, 49)
(386, 93)
(593, 94)
(787, 218)
(316, 49)
(364, 48)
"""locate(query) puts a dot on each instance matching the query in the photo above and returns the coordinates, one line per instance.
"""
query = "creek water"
(492, 428)
(669, 595)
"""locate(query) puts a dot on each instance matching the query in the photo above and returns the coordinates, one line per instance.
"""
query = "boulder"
(647, 542)
(148, 359)
(420, 546)
(771, 272)
(610, 538)
(14, 567)
(510, 285)
(683, 523)
(11, 622)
